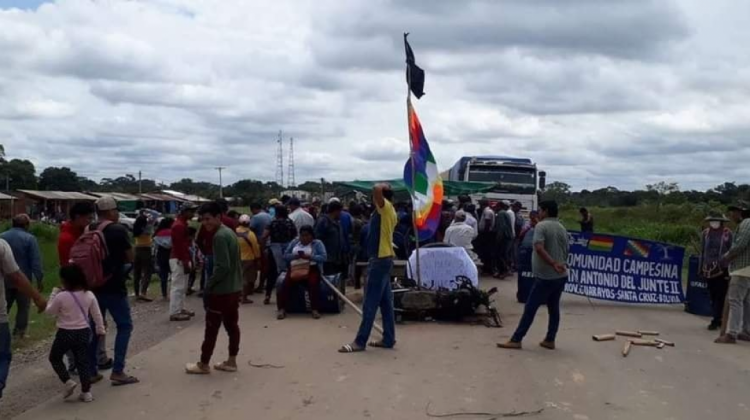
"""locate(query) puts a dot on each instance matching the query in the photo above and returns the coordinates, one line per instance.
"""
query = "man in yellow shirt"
(378, 292)
(250, 256)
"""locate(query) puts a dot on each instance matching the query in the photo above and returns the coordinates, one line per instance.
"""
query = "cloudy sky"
(597, 92)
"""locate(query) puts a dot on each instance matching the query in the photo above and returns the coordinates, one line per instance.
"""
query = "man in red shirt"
(180, 264)
(81, 215)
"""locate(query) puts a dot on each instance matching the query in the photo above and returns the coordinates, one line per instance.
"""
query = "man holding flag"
(378, 292)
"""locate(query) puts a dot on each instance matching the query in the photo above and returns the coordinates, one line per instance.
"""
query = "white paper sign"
(440, 267)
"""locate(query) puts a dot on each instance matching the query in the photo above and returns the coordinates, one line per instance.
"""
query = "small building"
(162, 203)
(7, 204)
(300, 194)
(186, 197)
(125, 202)
(52, 204)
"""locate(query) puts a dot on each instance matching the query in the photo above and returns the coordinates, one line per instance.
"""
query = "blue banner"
(619, 269)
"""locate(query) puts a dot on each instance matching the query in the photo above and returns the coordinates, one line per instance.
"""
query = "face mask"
(714, 225)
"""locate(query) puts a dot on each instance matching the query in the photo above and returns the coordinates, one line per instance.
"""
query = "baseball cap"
(106, 203)
(245, 218)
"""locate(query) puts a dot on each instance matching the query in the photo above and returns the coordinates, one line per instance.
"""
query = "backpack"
(89, 252)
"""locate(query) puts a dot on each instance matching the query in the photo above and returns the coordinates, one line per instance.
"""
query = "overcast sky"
(598, 93)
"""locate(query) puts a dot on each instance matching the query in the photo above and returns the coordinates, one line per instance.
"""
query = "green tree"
(59, 179)
(664, 188)
(558, 191)
(18, 174)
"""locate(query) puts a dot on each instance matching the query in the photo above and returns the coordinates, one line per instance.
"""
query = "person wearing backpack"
(72, 306)
(250, 256)
(111, 290)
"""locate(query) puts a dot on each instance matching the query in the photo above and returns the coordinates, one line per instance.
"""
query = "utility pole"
(221, 185)
(290, 175)
(280, 162)
(140, 183)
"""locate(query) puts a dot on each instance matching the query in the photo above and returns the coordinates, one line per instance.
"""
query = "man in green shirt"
(549, 264)
(222, 293)
(738, 296)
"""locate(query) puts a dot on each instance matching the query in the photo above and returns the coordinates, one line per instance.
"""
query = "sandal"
(128, 380)
(180, 317)
(316, 315)
(196, 369)
(281, 314)
(351, 348)
(224, 367)
(381, 345)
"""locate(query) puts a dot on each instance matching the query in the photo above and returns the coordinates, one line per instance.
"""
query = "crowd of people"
(226, 257)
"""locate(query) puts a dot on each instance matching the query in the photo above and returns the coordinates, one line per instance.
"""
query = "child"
(72, 307)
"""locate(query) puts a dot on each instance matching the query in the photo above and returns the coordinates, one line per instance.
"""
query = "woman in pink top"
(72, 307)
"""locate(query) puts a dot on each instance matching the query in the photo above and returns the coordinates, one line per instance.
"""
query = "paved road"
(451, 367)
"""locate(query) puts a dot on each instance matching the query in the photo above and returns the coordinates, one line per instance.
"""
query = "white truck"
(516, 179)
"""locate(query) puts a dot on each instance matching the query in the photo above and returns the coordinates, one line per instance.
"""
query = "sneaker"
(69, 388)
(713, 326)
(188, 313)
(86, 397)
(180, 317)
(549, 345)
(510, 345)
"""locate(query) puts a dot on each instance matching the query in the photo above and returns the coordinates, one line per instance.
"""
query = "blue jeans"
(5, 355)
(378, 294)
(119, 308)
(543, 292)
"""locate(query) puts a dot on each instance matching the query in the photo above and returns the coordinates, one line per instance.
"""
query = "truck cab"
(516, 179)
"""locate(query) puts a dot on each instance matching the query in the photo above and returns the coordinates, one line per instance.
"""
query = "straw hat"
(715, 216)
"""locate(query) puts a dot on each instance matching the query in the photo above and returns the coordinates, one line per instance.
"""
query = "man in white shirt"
(461, 234)
(298, 215)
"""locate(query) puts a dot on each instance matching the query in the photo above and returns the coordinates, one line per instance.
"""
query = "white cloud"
(597, 93)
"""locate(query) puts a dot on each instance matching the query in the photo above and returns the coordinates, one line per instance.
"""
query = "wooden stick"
(349, 302)
(603, 337)
(648, 332)
(634, 334)
(650, 343)
(626, 349)
(665, 342)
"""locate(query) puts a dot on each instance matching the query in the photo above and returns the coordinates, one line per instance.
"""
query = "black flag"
(414, 75)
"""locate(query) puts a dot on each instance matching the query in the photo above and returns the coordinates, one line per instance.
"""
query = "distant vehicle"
(517, 179)
(127, 221)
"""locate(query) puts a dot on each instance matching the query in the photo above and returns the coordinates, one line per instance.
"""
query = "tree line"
(659, 193)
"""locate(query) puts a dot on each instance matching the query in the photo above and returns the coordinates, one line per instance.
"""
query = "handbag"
(299, 270)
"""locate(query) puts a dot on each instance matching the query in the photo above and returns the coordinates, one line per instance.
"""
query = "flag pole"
(413, 169)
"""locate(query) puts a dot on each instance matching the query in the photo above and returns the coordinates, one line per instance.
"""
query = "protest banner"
(622, 269)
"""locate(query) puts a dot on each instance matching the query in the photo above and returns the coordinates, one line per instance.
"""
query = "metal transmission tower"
(290, 175)
(280, 162)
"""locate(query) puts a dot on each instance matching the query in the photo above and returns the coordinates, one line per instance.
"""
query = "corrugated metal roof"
(160, 197)
(59, 195)
(116, 195)
(6, 197)
(187, 197)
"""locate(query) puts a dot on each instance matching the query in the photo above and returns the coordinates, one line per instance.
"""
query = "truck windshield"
(523, 177)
